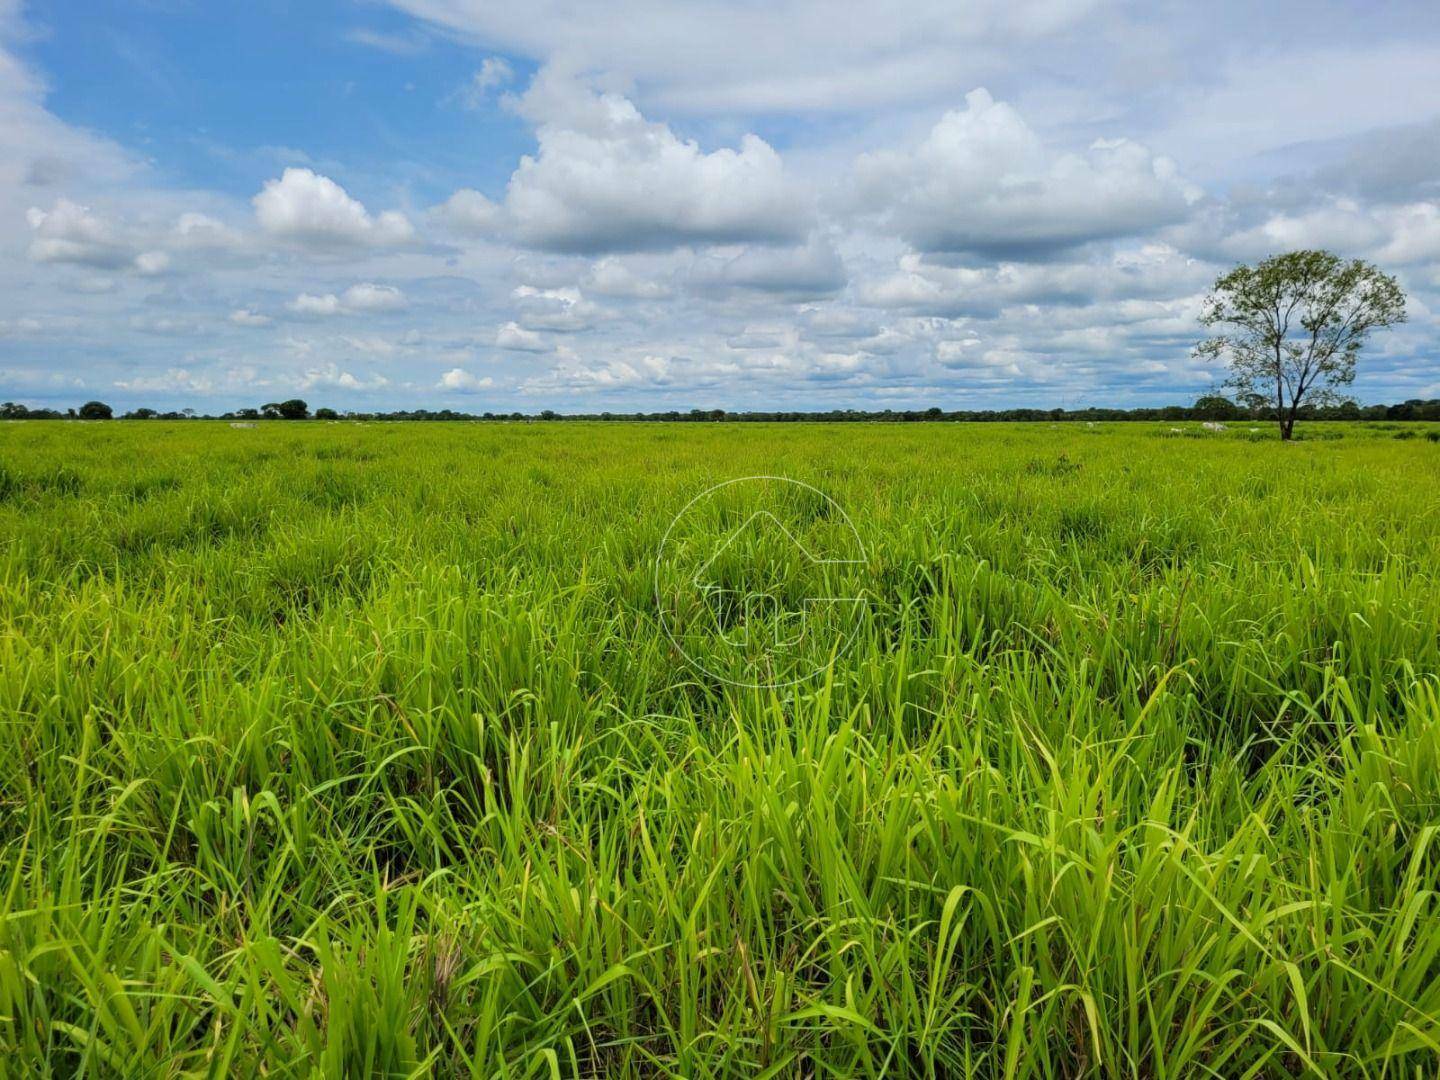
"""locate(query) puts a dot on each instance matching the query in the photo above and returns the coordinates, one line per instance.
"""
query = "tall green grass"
(358, 750)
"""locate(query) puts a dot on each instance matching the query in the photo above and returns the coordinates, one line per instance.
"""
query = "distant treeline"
(1210, 407)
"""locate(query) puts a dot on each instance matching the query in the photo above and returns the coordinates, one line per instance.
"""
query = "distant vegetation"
(1208, 407)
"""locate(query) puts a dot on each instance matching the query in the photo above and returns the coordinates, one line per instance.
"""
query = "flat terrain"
(336, 749)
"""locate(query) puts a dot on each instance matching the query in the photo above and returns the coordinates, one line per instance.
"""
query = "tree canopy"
(1292, 327)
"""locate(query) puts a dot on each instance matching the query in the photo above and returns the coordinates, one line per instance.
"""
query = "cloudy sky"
(495, 205)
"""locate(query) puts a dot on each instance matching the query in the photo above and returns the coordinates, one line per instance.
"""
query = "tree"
(326, 414)
(95, 410)
(294, 409)
(1216, 407)
(1293, 327)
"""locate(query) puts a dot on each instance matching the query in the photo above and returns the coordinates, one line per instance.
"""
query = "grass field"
(353, 750)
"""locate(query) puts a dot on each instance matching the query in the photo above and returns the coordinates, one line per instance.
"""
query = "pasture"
(350, 750)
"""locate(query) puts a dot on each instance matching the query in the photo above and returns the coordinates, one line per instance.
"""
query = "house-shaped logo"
(780, 584)
(760, 581)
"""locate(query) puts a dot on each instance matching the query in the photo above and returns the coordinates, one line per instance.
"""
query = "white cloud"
(607, 179)
(984, 183)
(1403, 235)
(516, 338)
(759, 338)
(321, 306)
(71, 233)
(461, 381)
(362, 299)
(1414, 234)
(574, 374)
(565, 310)
(789, 55)
(812, 270)
(920, 285)
(312, 210)
(151, 263)
(494, 72)
(613, 277)
(175, 380)
(330, 376)
(367, 297)
(649, 252)
(203, 232)
(372, 345)
(470, 213)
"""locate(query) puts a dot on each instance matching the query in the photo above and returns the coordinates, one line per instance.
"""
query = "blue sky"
(487, 205)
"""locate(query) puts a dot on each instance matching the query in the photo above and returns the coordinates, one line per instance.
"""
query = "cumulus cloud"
(203, 232)
(607, 179)
(365, 298)
(613, 277)
(921, 285)
(1403, 235)
(565, 310)
(648, 252)
(461, 381)
(470, 213)
(310, 304)
(311, 210)
(71, 233)
(516, 338)
(331, 376)
(812, 270)
(77, 235)
(573, 373)
(983, 183)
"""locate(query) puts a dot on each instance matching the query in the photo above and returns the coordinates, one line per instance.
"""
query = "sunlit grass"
(353, 750)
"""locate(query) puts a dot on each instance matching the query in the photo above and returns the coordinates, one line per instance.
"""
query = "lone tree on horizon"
(1293, 327)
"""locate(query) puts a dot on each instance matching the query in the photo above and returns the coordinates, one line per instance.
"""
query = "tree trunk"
(1280, 399)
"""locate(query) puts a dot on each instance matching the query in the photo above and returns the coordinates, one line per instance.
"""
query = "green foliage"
(294, 409)
(1216, 407)
(1293, 327)
(356, 750)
